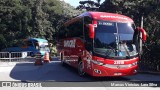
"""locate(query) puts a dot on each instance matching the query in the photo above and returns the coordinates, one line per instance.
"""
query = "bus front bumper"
(102, 70)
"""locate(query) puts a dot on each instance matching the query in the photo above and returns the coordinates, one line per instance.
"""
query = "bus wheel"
(80, 68)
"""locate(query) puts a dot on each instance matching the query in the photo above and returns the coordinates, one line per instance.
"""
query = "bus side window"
(61, 33)
(36, 45)
(87, 20)
(29, 43)
(24, 44)
(86, 33)
(69, 29)
(75, 29)
(88, 40)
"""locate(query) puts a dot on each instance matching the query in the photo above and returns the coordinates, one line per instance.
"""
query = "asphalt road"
(55, 75)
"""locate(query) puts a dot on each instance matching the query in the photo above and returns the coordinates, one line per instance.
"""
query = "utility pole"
(142, 22)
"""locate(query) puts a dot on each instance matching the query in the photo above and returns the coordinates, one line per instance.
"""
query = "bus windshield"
(43, 46)
(114, 39)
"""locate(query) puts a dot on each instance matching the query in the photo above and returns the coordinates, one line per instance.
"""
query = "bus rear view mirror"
(144, 34)
(91, 31)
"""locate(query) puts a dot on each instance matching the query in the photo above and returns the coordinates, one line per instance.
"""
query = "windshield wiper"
(128, 57)
(117, 44)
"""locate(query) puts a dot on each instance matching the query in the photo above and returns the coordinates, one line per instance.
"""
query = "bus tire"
(80, 68)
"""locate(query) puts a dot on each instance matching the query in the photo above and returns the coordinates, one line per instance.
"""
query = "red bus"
(101, 44)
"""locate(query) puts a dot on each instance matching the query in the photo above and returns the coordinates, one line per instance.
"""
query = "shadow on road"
(53, 71)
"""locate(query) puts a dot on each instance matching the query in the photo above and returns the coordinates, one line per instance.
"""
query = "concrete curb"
(150, 72)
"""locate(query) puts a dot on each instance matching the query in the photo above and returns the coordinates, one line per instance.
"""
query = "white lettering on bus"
(118, 62)
(118, 17)
(70, 43)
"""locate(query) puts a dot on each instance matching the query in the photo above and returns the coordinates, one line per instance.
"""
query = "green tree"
(21, 19)
(150, 10)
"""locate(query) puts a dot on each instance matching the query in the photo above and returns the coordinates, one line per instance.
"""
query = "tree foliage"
(89, 5)
(21, 19)
(150, 10)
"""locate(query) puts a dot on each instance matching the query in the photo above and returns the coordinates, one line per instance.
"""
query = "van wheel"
(80, 68)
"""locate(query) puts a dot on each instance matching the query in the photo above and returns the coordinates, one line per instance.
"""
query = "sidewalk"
(149, 72)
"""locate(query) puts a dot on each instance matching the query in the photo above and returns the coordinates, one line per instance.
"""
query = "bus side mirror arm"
(91, 31)
(144, 34)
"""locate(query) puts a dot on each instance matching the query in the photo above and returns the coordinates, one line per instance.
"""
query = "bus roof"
(102, 16)
(37, 39)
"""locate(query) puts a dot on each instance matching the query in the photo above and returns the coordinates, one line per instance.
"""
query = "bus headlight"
(134, 64)
(97, 62)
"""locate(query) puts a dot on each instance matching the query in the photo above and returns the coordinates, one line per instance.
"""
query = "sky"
(75, 3)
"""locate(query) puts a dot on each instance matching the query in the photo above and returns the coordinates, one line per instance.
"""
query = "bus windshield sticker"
(105, 23)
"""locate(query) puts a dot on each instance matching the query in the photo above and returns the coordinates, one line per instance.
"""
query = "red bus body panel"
(73, 49)
(73, 54)
(102, 16)
(108, 71)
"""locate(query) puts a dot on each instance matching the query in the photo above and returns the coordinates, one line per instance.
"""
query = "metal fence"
(15, 56)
